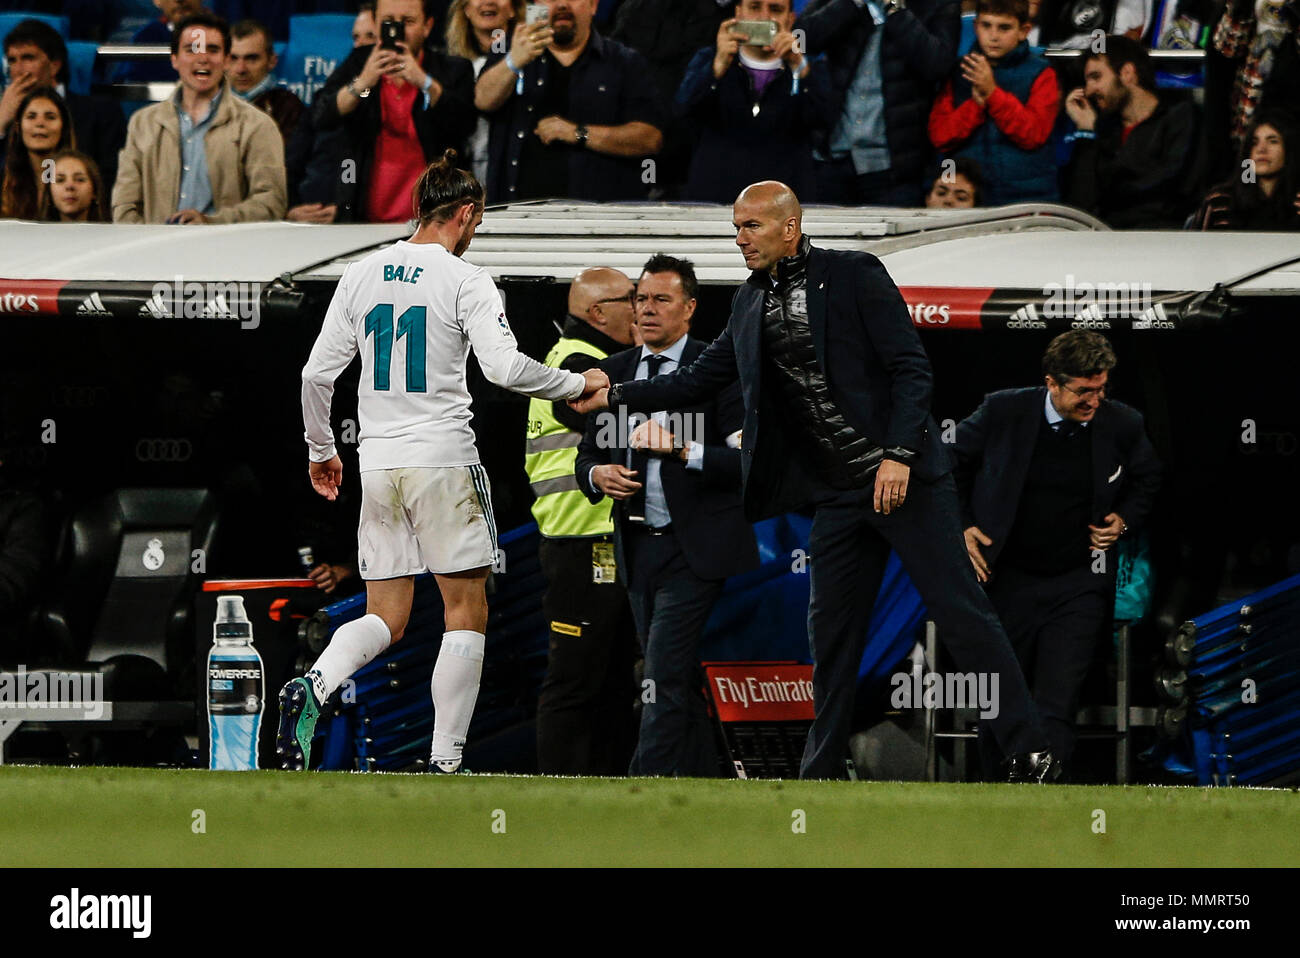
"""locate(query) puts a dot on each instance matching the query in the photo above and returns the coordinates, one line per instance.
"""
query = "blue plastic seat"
(81, 65)
(318, 43)
(10, 20)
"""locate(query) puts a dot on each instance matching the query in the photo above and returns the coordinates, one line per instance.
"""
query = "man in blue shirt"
(679, 529)
(204, 155)
(887, 59)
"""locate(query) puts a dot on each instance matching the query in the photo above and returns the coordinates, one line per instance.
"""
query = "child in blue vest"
(999, 108)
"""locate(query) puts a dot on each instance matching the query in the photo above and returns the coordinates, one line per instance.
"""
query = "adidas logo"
(93, 305)
(1154, 318)
(218, 308)
(1026, 317)
(157, 306)
(1090, 317)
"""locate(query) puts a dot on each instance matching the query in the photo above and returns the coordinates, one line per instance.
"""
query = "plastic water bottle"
(236, 689)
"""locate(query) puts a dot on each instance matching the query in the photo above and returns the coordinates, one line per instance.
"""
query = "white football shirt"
(413, 311)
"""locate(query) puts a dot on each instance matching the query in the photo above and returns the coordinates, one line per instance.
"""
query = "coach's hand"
(654, 437)
(593, 402)
(326, 477)
(1103, 537)
(975, 538)
(891, 485)
(615, 481)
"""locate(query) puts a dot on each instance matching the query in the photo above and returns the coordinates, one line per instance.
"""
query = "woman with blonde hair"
(477, 29)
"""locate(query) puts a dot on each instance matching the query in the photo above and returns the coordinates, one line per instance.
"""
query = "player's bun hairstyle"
(442, 189)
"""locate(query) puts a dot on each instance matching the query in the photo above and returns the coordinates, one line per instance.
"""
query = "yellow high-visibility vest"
(550, 453)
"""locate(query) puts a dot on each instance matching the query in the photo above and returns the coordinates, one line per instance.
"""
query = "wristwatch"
(359, 94)
(893, 6)
(580, 135)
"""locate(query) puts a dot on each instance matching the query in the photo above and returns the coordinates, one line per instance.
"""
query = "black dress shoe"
(1034, 768)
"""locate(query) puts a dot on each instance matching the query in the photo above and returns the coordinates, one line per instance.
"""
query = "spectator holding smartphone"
(44, 128)
(402, 103)
(999, 108)
(203, 155)
(578, 114)
(77, 193)
(754, 106)
(473, 28)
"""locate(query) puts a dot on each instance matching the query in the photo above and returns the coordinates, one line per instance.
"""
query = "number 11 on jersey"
(379, 323)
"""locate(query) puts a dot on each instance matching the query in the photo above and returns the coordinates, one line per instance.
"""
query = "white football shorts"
(415, 519)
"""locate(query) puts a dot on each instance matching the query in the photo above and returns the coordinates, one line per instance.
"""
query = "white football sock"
(354, 644)
(455, 690)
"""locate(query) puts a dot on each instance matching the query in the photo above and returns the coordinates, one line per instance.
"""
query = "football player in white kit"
(413, 311)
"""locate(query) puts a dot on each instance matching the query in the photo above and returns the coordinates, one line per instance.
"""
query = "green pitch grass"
(133, 817)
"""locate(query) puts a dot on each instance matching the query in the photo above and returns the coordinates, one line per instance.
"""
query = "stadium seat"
(318, 43)
(126, 588)
(10, 20)
(81, 65)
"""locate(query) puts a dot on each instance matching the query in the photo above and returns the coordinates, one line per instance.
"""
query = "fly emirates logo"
(755, 691)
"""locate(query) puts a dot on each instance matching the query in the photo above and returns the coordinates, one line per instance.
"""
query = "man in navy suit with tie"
(836, 389)
(1050, 478)
(679, 529)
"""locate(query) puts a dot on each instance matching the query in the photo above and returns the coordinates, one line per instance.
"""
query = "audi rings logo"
(164, 450)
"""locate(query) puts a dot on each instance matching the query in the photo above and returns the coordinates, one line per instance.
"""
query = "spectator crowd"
(851, 102)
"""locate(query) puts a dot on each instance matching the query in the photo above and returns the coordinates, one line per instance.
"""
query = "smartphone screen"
(536, 13)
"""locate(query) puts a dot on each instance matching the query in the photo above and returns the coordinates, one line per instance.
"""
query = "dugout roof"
(1032, 266)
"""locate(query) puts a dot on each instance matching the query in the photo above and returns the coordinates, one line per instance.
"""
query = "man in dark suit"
(38, 57)
(401, 109)
(836, 388)
(679, 529)
(1049, 478)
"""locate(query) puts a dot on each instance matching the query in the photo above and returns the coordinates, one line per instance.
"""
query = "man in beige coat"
(203, 155)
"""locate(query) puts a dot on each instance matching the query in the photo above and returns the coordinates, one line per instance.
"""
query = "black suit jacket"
(996, 442)
(878, 371)
(101, 133)
(705, 506)
(448, 124)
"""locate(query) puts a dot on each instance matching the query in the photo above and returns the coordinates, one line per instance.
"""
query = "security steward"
(585, 719)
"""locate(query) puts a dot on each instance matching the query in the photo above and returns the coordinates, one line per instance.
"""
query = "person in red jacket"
(999, 108)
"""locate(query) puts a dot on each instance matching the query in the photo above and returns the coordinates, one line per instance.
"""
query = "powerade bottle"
(235, 688)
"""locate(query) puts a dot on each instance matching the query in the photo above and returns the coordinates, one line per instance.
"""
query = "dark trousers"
(1054, 623)
(838, 182)
(585, 720)
(671, 605)
(849, 546)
